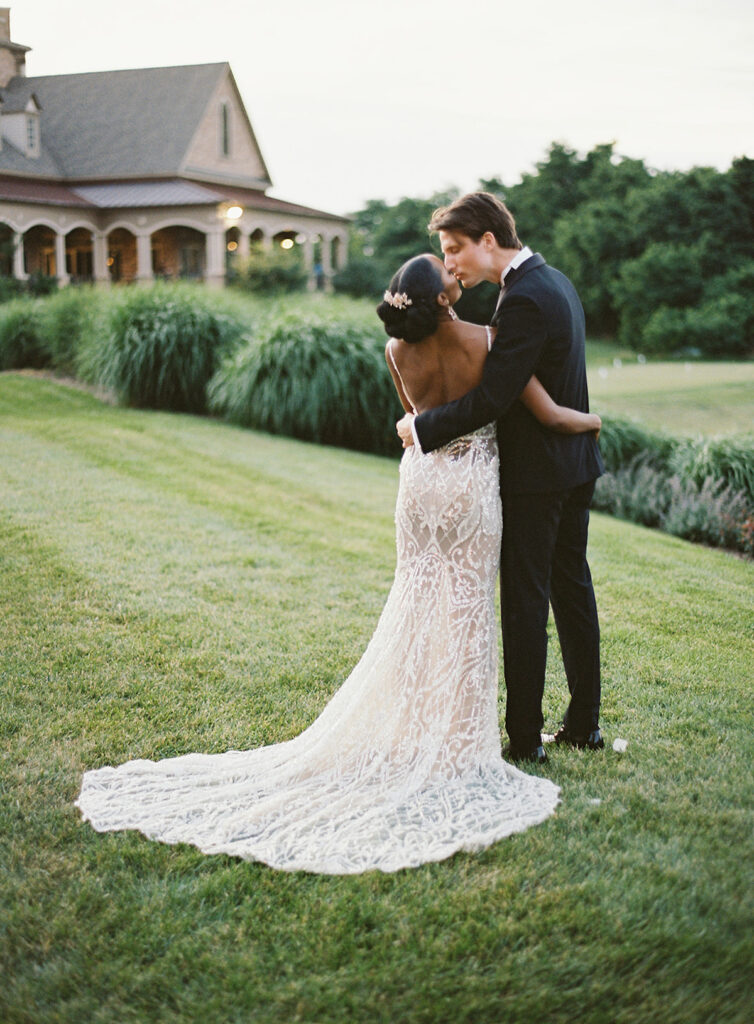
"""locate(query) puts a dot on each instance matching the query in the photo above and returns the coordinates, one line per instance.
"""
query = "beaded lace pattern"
(403, 766)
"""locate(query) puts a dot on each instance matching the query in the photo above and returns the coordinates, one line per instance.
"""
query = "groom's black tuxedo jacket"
(540, 330)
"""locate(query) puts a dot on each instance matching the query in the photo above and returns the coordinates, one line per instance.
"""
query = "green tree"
(589, 245)
(666, 275)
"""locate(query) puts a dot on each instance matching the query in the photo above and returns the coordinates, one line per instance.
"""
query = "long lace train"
(403, 766)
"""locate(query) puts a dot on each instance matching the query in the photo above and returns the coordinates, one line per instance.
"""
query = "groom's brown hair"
(475, 214)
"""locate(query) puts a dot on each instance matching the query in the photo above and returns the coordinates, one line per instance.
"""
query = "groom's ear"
(489, 241)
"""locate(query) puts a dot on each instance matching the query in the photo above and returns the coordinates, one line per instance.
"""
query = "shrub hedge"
(623, 440)
(23, 341)
(312, 377)
(159, 348)
(317, 372)
(72, 321)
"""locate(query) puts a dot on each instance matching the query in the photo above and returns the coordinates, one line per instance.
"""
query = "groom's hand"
(404, 429)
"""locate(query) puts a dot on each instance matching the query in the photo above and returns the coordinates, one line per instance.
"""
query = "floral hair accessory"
(397, 301)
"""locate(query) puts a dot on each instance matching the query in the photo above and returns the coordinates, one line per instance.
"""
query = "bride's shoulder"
(475, 334)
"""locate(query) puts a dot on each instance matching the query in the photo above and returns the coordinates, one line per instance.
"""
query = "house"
(133, 175)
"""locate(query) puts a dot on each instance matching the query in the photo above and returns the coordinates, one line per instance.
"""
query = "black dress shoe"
(537, 755)
(586, 741)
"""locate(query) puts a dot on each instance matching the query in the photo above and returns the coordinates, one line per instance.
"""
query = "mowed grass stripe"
(144, 615)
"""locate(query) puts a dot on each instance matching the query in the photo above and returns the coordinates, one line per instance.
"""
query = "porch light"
(232, 246)
(234, 212)
(287, 243)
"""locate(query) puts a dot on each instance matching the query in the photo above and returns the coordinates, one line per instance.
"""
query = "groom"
(546, 479)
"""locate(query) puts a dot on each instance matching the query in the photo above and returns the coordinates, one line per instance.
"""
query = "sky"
(353, 100)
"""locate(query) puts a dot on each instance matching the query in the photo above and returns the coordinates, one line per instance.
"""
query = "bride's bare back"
(441, 367)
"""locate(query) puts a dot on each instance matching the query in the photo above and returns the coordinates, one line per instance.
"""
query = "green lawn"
(680, 398)
(172, 584)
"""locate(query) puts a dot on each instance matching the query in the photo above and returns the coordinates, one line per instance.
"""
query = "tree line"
(662, 260)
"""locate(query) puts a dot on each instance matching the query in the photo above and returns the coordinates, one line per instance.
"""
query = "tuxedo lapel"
(515, 275)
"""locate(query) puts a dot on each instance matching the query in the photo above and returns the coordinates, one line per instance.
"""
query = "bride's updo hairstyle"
(410, 309)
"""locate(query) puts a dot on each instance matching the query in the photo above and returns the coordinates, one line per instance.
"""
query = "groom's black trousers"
(543, 562)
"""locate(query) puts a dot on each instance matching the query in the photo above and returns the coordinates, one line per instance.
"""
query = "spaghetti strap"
(489, 340)
(392, 359)
(395, 365)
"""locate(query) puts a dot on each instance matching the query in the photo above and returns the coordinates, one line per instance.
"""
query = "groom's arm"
(521, 333)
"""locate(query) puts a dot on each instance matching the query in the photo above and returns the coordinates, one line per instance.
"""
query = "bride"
(403, 766)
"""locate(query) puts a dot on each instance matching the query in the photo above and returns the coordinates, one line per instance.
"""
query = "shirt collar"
(521, 256)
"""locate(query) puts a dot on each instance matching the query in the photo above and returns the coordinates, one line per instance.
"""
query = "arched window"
(224, 129)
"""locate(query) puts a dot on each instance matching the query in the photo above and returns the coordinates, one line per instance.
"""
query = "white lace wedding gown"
(404, 765)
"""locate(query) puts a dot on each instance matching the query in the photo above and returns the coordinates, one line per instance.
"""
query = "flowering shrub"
(709, 513)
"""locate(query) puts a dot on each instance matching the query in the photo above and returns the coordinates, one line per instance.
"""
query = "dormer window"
(32, 135)
(21, 124)
(224, 129)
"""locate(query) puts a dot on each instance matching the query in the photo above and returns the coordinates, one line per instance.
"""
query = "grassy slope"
(172, 584)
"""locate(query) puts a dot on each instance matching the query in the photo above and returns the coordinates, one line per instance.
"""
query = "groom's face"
(450, 284)
(468, 261)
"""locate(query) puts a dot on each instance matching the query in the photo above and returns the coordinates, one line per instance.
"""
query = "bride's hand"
(597, 426)
(403, 427)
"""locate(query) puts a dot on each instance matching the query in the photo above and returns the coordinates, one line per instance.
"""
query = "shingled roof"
(114, 124)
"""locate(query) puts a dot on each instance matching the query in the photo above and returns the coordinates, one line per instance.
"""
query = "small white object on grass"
(621, 746)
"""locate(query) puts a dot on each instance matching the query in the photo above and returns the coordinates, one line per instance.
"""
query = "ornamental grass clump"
(315, 378)
(22, 337)
(70, 318)
(161, 347)
(622, 441)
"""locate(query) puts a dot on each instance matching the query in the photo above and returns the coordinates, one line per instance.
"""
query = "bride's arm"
(554, 416)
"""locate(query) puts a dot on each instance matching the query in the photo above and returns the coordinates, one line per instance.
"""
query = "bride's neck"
(447, 317)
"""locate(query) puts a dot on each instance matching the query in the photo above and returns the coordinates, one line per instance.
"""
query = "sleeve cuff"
(417, 442)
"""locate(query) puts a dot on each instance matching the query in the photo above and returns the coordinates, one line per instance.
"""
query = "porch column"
(18, 257)
(60, 270)
(311, 281)
(326, 250)
(144, 271)
(341, 253)
(99, 258)
(214, 274)
(243, 245)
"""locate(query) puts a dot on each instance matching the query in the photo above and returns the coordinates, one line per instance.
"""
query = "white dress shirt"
(521, 256)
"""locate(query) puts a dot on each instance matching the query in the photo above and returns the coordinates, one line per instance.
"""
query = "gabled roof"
(117, 124)
(13, 161)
